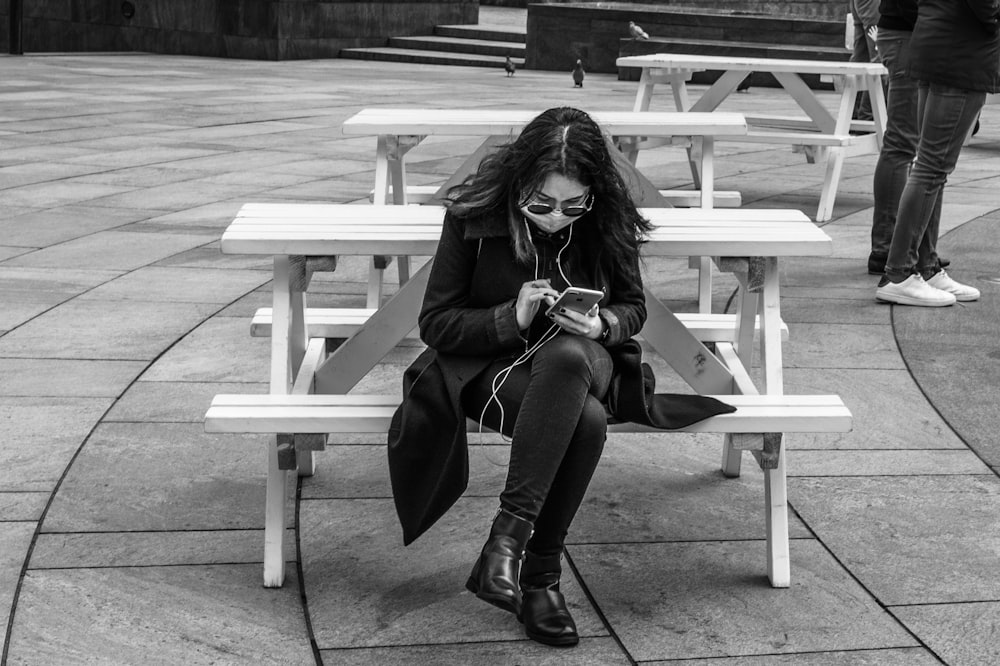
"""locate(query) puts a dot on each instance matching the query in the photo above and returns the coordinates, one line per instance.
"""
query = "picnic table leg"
(707, 196)
(746, 316)
(775, 488)
(835, 154)
(390, 175)
(283, 350)
(682, 102)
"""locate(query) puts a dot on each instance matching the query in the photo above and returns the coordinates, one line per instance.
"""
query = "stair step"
(389, 54)
(453, 45)
(489, 33)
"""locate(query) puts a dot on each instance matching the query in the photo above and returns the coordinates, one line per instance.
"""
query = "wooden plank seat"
(345, 322)
(299, 415)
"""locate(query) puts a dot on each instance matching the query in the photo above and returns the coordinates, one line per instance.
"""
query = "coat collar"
(486, 226)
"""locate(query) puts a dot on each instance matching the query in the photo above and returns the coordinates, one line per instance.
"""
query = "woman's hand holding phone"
(572, 314)
(530, 298)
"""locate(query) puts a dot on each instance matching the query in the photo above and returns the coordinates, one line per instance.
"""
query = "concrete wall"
(559, 33)
(804, 8)
(261, 29)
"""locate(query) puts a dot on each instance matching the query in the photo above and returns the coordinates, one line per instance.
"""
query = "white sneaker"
(914, 291)
(961, 292)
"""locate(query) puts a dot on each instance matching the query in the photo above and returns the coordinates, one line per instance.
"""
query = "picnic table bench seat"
(321, 414)
(345, 322)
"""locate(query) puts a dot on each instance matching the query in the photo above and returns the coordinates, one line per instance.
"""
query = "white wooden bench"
(823, 136)
(339, 323)
(311, 380)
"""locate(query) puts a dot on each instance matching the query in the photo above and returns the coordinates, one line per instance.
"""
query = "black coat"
(468, 321)
(957, 43)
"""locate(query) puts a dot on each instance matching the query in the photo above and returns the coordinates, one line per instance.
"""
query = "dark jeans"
(863, 51)
(553, 412)
(944, 116)
(899, 146)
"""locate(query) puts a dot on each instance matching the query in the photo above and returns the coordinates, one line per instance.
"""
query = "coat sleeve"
(625, 313)
(448, 323)
(987, 11)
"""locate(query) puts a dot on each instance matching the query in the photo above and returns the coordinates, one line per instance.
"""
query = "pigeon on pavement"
(509, 67)
(578, 75)
(636, 31)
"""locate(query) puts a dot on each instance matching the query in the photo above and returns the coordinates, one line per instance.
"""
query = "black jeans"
(554, 414)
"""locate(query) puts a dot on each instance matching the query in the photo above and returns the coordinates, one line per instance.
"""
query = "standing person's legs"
(864, 50)
(944, 117)
(554, 413)
(899, 146)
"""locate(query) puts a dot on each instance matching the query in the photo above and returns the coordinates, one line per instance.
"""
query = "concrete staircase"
(468, 45)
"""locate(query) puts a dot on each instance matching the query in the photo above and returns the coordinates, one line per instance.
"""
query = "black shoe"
(494, 578)
(543, 607)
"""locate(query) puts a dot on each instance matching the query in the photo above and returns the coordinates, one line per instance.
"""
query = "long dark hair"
(564, 141)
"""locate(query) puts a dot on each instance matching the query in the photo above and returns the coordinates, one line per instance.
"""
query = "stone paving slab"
(883, 657)
(173, 402)
(889, 410)
(39, 377)
(219, 350)
(28, 506)
(144, 549)
(675, 491)
(182, 285)
(910, 540)
(962, 634)
(134, 615)
(109, 250)
(884, 463)
(15, 541)
(107, 330)
(149, 466)
(406, 595)
(59, 224)
(600, 651)
(711, 599)
(41, 435)
(841, 346)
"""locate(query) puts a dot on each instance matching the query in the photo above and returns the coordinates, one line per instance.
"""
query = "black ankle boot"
(543, 608)
(494, 579)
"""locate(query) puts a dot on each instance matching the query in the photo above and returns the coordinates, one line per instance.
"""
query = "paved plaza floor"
(130, 536)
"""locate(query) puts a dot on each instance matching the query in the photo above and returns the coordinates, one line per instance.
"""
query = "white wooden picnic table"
(822, 135)
(398, 130)
(309, 384)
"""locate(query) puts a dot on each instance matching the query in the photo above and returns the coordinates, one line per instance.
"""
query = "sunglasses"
(539, 208)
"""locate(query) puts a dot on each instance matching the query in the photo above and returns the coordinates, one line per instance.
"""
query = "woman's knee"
(567, 352)
(593, 423)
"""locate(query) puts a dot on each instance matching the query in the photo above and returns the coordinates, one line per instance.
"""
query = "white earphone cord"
(551, 333)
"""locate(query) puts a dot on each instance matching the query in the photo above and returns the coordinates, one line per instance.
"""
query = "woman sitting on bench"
(544, 213)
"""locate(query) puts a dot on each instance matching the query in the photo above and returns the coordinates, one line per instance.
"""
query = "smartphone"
(576, 299)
